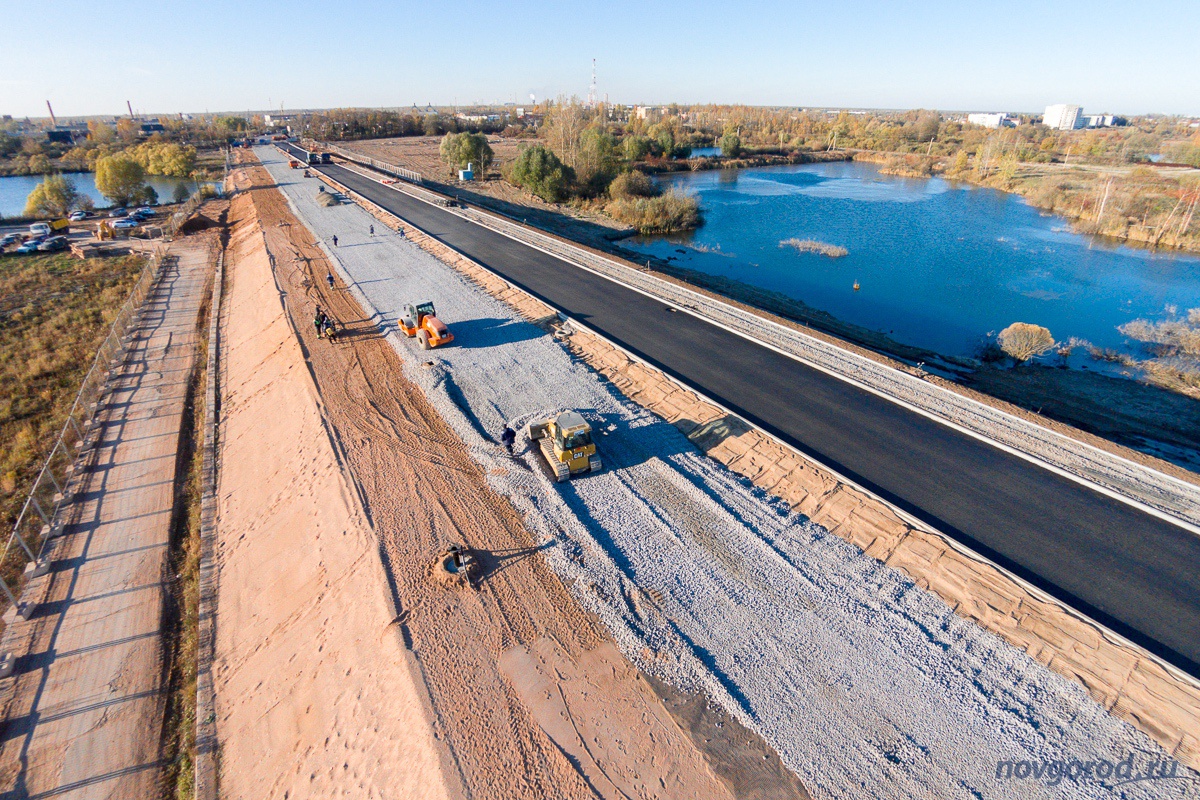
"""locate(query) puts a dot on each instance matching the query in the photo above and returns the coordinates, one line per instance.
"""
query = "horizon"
(1092, 55)
(142, 114)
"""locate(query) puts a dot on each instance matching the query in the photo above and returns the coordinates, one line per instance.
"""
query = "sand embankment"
(314, 693)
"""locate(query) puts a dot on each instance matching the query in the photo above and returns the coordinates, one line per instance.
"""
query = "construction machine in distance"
(420, 320)
(566, 443)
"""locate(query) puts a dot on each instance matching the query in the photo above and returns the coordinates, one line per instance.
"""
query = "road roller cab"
(420, 321)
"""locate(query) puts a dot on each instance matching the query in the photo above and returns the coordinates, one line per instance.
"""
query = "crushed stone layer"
(863, 681)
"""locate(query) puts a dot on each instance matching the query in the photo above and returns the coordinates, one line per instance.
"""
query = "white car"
(125, 223)
(78, 216)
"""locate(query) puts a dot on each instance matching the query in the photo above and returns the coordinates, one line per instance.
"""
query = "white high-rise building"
(1063, 117)
(988, 120)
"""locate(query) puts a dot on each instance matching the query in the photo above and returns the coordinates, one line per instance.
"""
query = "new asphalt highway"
(1134, 572)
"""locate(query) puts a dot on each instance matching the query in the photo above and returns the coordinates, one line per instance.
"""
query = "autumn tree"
(120, 178)
(460, 149)
(39, 164)
(127, 129)
(596, 159)
(1022, 341)
(100, 132)
(53, 197)
(962, 163)
(165, 158)
(563, 128)
(75, 159)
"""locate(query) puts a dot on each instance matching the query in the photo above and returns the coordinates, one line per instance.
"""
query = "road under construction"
(1133, 571)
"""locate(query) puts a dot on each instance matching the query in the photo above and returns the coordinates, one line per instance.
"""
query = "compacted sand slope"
(315, 697)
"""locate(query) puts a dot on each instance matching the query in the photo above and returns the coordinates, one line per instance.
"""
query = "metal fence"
(383, 166)
(41, 517)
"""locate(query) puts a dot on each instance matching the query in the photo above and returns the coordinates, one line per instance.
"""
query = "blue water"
(940, 264)
(15, 189)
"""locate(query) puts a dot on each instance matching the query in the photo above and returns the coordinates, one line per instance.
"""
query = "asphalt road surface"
(1136, 573)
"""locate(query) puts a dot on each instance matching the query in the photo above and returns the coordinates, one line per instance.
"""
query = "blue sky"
(89, 58)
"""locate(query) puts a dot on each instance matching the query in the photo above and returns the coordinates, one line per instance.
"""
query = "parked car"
(53, 244)
(144, 210)
(10, 238)
(117, 212)
(142, 214)
(125, 223)
(31, 244)
(39, 229)
(78, 216)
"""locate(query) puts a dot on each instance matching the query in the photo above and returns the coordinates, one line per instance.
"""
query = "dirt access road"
(87, 711)
(529, 692)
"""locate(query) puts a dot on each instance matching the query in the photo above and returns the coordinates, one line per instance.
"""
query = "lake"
(940, 263)
(14, 190)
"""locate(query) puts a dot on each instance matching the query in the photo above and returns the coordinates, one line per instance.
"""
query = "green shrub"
(636, 147)
(538, 170)
(731, 145)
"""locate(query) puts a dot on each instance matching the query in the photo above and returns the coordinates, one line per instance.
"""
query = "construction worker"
(335, 240)
(319, 321)
(329, 329)
(329, 279)
(509, 437)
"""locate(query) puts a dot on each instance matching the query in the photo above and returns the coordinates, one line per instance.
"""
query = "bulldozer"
(566, 444)
(420, 320)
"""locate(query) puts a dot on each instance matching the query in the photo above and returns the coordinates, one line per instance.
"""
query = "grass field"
(54, 313)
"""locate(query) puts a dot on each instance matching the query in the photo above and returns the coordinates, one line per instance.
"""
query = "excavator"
(420, 320)
(566, 444)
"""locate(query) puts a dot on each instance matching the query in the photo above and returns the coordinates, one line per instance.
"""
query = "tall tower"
(591, 101)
